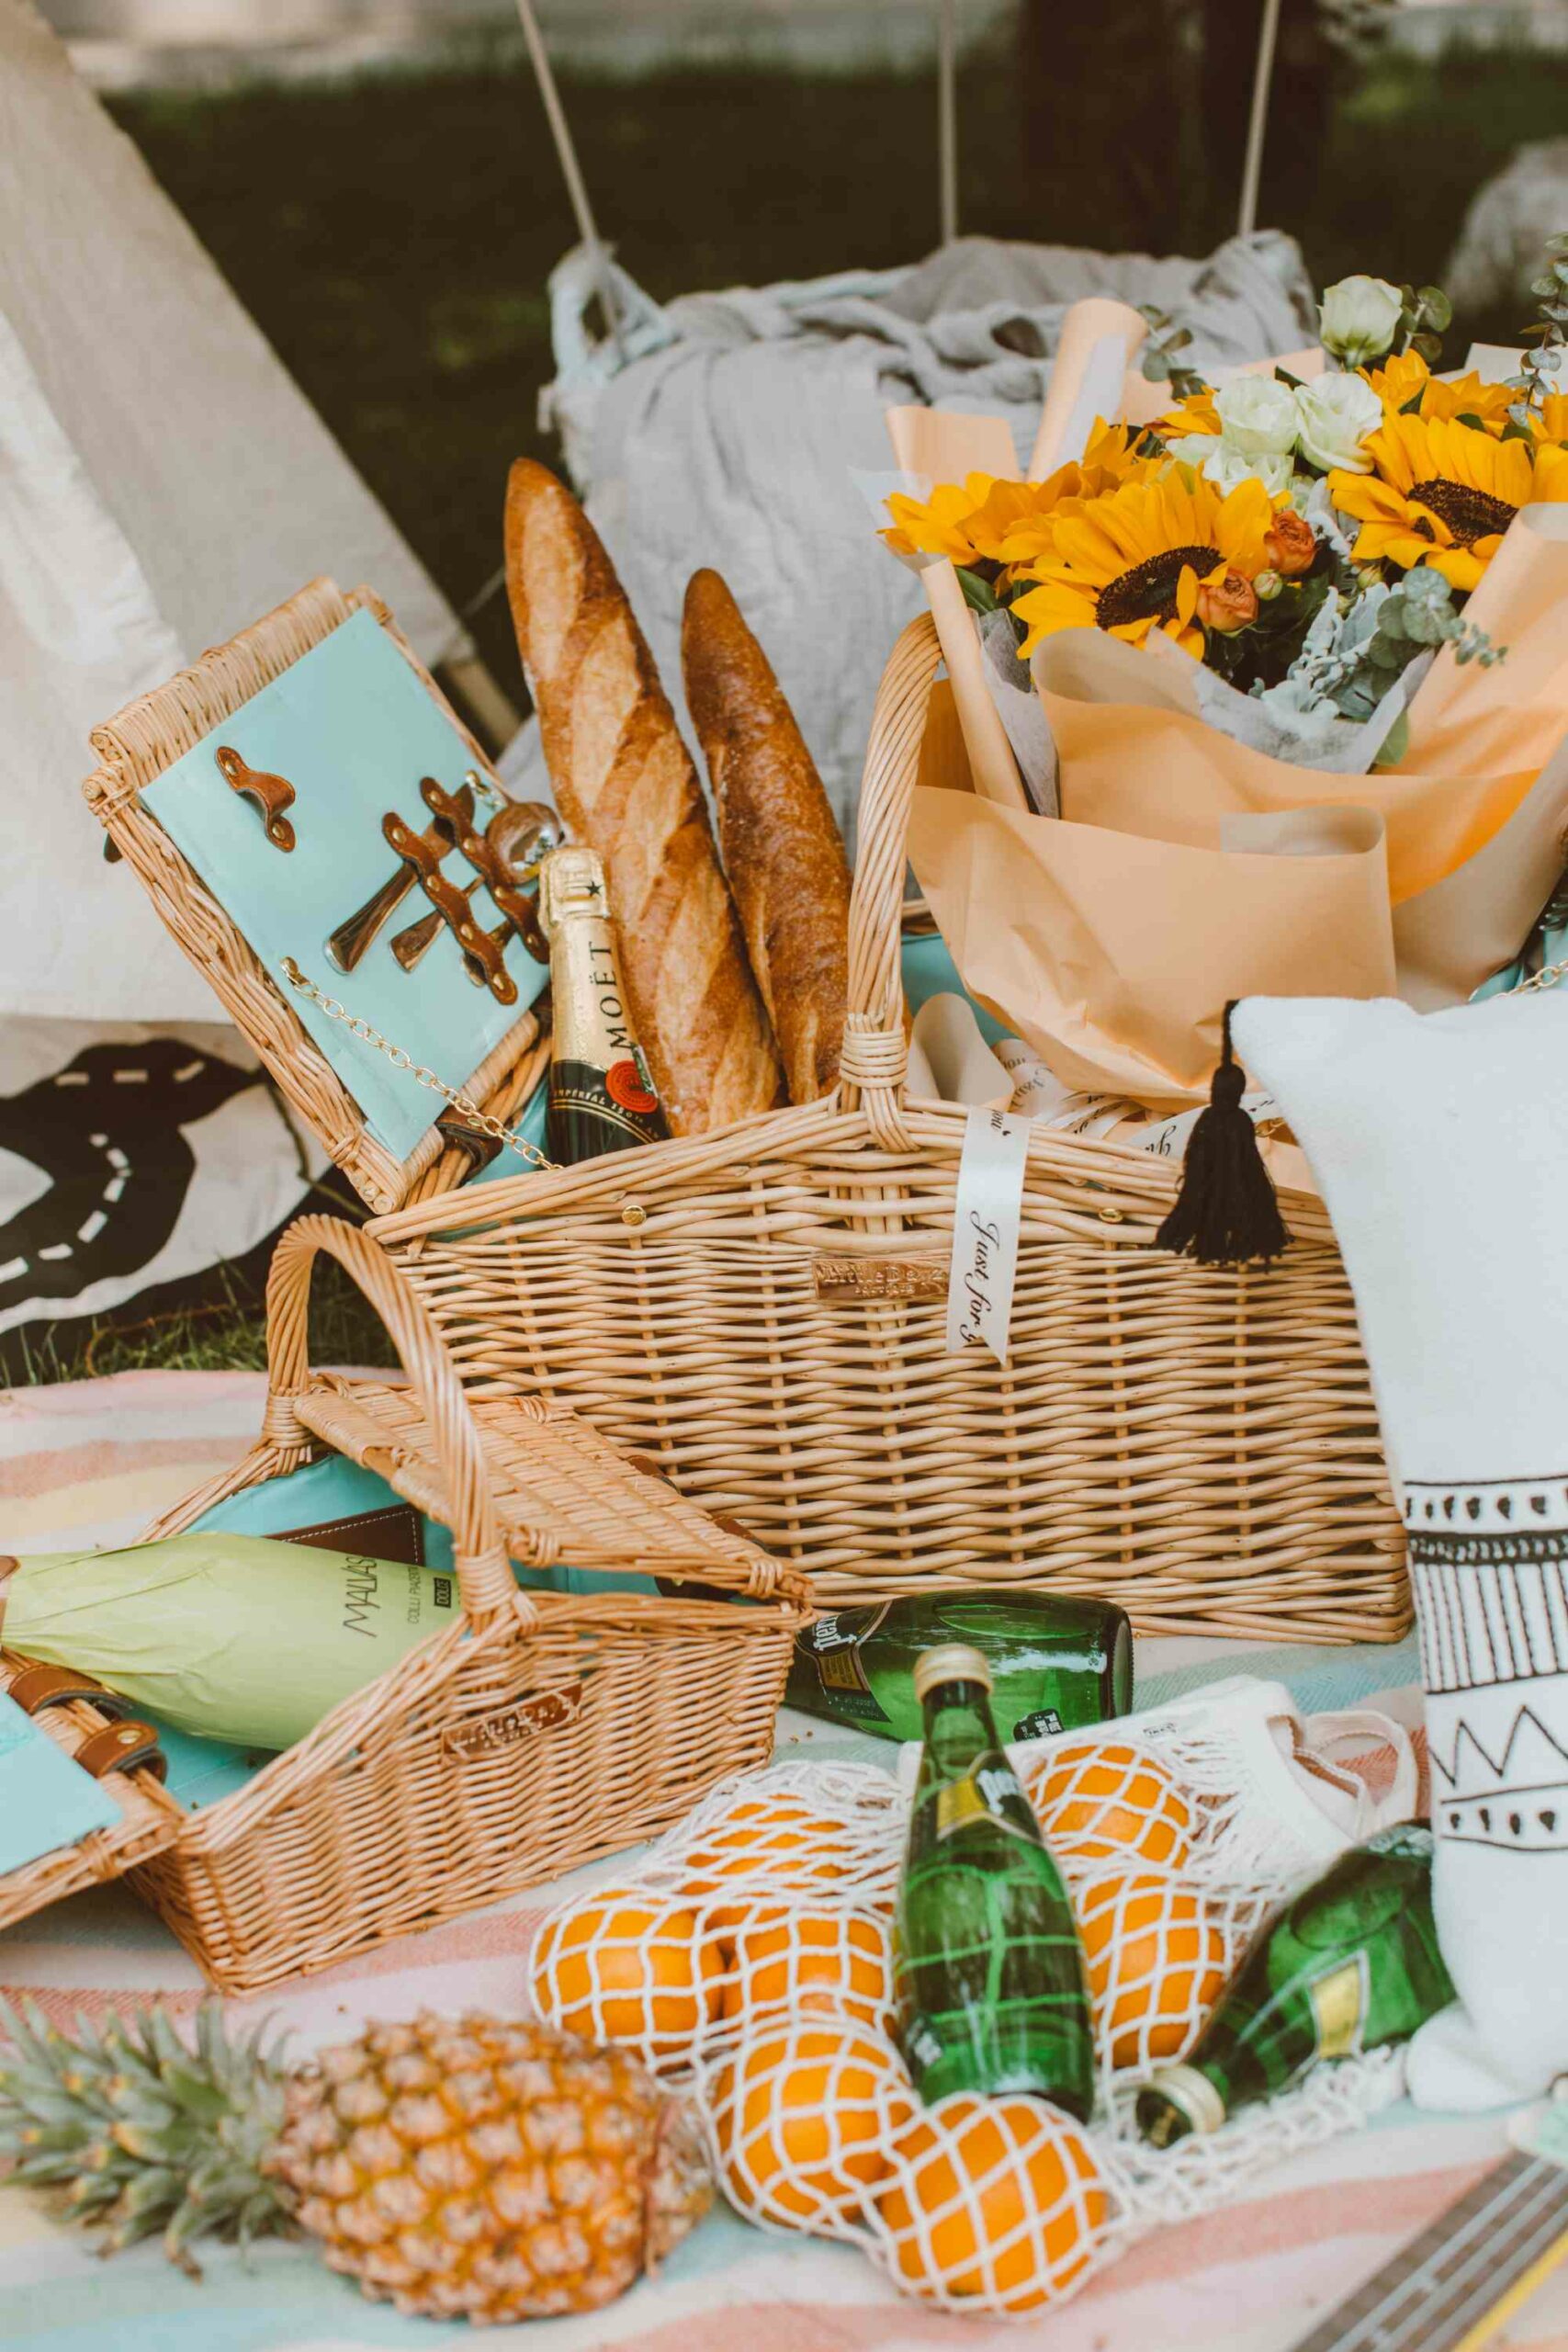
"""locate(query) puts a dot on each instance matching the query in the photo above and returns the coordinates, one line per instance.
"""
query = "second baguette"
(783, 851)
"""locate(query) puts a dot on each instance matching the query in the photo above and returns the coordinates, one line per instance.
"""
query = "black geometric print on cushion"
(106, 1131)
(1518, 1800)
(1490, 1609)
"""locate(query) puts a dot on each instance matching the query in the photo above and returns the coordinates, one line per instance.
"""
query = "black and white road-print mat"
(133, 1160)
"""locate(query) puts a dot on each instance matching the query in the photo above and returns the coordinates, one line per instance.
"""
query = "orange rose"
(1291, 544)
(1228, 603)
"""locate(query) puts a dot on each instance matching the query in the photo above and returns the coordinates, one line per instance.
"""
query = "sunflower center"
(1470, 513)
(1148, 591)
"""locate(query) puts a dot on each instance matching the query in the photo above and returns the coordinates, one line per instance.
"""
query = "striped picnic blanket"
(92, 1464)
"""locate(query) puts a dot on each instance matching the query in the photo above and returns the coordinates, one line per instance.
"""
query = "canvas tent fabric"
(728, 429)
(162, 483)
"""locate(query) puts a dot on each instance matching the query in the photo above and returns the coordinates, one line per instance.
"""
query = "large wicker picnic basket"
(540, 1731)
(762, 1311)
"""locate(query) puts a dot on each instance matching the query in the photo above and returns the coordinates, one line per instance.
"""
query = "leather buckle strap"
(53, 1686)
(129, 1746)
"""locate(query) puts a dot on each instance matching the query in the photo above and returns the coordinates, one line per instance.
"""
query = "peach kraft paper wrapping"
(1188, 868)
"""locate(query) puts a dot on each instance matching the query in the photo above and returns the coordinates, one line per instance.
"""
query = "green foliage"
(1265, 649)
(978, 594)
(1162, 363)
(1539, 373)
(1425, 315)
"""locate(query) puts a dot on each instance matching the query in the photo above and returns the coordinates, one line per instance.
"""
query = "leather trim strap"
(51, 1686)
(129, 1747)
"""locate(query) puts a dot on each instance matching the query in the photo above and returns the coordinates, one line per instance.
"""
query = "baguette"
(783, 852)
(627, 785)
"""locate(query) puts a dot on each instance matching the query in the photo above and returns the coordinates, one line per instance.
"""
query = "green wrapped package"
(233, 1637)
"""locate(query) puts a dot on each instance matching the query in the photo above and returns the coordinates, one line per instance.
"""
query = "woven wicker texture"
(150, 1819)
(135, 748)
(751, 1959)
(1201, 1446)
(545, 1731)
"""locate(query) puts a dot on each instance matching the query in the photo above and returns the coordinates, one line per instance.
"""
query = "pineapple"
(475, 2167)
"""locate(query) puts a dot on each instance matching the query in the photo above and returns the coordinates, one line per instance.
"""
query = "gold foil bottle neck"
(954, 1662)
(571, 882)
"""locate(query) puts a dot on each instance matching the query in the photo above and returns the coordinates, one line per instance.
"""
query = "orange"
(809, 1962)
(627, 1967)
(1106, 1801)
(779, 1839)
(802, 2116)
(1158, 1958)
(999, 2199)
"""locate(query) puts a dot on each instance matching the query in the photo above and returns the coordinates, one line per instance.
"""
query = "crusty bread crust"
(783, 852)
(627, 783)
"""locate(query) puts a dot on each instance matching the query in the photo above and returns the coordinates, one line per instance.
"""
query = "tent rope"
(571, 171)
(1263, 75)
(947, 118)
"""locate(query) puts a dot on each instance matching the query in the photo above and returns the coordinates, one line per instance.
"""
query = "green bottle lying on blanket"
(233, 1637)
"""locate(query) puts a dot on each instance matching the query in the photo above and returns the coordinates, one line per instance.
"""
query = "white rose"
(1224, 465)
(1357, 319)
(1258, 415)
(1336, 414)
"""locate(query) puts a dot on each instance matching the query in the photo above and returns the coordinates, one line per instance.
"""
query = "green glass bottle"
(988, 1973)
(1353, 1963)
(1056, 1663)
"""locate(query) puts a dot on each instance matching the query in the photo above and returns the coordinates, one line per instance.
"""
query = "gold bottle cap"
(1189, 2089)
(954, 1662)
(572, 881)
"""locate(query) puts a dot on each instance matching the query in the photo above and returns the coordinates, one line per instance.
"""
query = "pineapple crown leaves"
(136, 2131)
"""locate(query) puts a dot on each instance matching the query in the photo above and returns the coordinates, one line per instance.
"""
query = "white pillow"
(1439, 1142)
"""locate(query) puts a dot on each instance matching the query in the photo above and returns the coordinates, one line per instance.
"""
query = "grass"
(393, 238)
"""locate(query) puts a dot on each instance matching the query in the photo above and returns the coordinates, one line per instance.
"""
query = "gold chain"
(1548, 977)
(332, 1009)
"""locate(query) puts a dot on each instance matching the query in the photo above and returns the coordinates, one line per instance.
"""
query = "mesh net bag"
(752, 1961)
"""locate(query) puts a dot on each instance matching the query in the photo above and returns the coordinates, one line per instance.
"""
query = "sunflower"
(1196, 413)
(1549, 421)
(1140, 557)
(1407, 377)
(979, 520)
(940, 525)
(1443, 493)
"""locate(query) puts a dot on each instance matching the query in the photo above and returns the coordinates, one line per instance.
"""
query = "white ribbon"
(985, 1220)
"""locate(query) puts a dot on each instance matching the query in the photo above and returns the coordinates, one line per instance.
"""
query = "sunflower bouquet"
(1264, 691)
(1312, 541)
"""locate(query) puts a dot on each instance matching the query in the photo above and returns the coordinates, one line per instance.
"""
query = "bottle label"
(1339, 2000)
(580, 1093)
(1044, 1723)
(987, 1794)
(843, 1629)
(834, 1643)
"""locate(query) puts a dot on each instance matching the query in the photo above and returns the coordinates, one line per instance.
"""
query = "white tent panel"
(163, 482)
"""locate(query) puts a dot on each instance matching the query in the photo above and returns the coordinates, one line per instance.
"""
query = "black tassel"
(1225, 1214)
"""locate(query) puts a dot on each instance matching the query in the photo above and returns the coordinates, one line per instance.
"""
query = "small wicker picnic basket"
(540, 1731)
(762, 1311)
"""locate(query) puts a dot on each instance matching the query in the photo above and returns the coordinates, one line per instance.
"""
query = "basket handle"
(484, 1574)
(873, 1063)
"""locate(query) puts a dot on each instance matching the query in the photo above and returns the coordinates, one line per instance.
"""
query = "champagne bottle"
(601, 1097)
(1353, 1963)
(233, 1637)
(988, 1973)
(1056, 1663)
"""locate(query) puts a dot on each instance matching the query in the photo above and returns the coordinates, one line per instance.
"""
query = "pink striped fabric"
(90, 1464)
